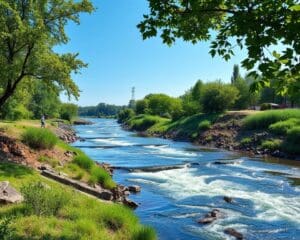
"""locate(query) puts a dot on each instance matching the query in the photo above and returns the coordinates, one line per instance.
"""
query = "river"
(266, 199)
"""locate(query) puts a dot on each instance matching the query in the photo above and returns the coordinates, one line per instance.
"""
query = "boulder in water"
(211, 217)
(228, 199)
(8, 194)
(134, 188)
(130, 203)
(234, 233)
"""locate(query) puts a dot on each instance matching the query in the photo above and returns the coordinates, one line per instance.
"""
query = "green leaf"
(295, 7)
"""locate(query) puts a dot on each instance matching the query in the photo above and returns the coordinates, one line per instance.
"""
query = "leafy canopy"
(29, 29)
(257, 25)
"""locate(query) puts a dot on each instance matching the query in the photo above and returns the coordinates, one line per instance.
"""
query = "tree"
(235, 73)
(141, 106)
(125, 115)
(44, 101)
(218, 97)
(68, 111)
(196, 90)
(255, 25)
(243, 99)
(28, 32)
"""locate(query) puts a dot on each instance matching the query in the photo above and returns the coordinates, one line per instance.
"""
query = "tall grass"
(282, 127)
(264, 119)
(143, 122)
(39, 138)
(83, 161)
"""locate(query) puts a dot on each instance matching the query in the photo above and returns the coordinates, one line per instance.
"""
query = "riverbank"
(60, 207)
(271, 135)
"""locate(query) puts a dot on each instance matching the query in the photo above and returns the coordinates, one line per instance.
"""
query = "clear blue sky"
(119, 59)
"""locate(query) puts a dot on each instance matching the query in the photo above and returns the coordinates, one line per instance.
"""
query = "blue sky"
(119, 59)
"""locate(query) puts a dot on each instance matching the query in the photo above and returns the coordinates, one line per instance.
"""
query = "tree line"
(101, 110)
(211, 97)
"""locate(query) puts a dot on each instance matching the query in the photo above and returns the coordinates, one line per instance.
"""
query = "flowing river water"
(266, 197)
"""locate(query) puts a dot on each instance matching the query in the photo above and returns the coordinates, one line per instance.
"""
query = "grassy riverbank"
(272, 132)
(51, 210)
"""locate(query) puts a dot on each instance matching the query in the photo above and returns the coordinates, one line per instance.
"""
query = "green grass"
(39, 138)
(273, 144)
(143, 122)
(190, 125)
(264, 119)
(282, 127)
(81, 217)
(292, 142)
(83, 161)
(246, 141)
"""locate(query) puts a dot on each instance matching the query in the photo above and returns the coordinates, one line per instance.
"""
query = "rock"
(207, 220)
(82, 122)
(134, 188)
(234, 233)
(8, 194)
(130, 203)
(228, 199)
(106, 195)
(68, 154)
(211, 217)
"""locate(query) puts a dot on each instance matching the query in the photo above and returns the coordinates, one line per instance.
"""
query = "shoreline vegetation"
(28, 152)
(274, 133)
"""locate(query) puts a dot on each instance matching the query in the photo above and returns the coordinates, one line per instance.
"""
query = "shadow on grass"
(13, 170)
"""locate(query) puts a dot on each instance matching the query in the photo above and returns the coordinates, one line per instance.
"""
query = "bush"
(204, 125)
(99, 175)
(39, 138)
(246, 141)
(264, 119)
(265, 106)
(145, 233)
(83, 161)
(217, 97)
(272, 145)
(282, 127)
(68, 111)
(41, 200)
(125, 115)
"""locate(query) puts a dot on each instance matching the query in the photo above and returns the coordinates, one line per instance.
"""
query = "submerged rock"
(228, 199)
(130, 203)
(8, 194)
(234, 233)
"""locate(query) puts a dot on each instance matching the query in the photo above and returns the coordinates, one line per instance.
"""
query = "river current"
(266, 197)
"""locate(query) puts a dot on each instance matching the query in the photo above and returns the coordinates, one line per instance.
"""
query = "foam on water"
(112, 141)
(183, 183)
(165, 150)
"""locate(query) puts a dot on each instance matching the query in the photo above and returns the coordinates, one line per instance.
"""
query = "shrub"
(271, 144)
(145, 233)
(264, 119)
(68, 111)
(41, 200)
(204, 125)
(218, 97)
(246, 141)
(99, 175)
(282, 127)
(39, 138)
(83, 161)
(265, 106)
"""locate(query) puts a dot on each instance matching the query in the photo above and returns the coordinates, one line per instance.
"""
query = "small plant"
(292, 143)
(145, 233)
(204, 125)
(6, 231)
(265, 106)
(271, 144)
(38, 138)
(41, 200)
(246, 141)
(51, 161)
(83, 161)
